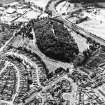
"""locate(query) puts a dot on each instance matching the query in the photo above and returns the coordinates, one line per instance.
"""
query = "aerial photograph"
(52, 52)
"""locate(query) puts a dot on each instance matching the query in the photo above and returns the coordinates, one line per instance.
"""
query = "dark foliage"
(25, 31)
(89, 53)
(54, 40)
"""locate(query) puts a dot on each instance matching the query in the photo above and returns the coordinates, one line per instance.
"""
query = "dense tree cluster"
(59, 71)
(90, 53)
(54, 40)
(25, 31)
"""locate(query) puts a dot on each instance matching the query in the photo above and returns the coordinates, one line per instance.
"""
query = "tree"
(54, 40)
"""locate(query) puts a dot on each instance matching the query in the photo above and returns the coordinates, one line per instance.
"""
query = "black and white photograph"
(52, 52)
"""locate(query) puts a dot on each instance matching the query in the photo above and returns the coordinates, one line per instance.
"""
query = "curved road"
(52, 7)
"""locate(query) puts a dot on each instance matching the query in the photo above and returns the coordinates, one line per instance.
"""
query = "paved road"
(74, 27)
(82, 31)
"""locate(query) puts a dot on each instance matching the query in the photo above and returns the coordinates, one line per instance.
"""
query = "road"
(74, 27)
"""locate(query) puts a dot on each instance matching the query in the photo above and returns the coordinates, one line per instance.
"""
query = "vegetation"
(54, 40)
(90, 54)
